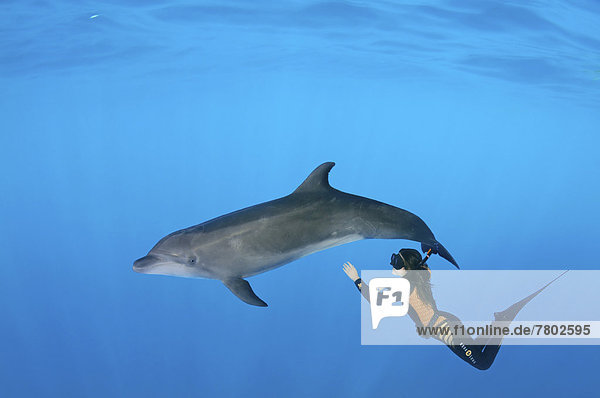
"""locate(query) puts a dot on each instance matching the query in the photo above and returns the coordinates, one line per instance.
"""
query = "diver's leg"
(482, 352)
(479, 353)
(478, 356)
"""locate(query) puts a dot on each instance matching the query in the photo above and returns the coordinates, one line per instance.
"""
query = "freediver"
(480, 352)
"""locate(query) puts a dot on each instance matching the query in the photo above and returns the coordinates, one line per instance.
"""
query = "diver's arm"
(363, 287)
(353, 275)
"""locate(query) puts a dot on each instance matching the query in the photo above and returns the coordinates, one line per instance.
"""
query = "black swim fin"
(511, 312)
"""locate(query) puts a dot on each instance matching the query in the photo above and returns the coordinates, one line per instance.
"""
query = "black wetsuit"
(479, 353)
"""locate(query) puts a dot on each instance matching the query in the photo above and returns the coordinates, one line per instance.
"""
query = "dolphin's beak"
(143, 264)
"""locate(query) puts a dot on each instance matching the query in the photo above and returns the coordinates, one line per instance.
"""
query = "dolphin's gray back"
(313, 218)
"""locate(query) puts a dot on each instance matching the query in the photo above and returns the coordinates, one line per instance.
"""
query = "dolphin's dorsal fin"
(318, 180)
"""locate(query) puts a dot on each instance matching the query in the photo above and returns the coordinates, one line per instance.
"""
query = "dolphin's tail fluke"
(438, 248)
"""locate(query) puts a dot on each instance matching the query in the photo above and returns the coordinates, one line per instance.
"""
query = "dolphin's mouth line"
(149, 262)
(155, 260)
(139, 267)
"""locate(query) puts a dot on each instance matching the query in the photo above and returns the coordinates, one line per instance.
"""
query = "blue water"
(479, 116)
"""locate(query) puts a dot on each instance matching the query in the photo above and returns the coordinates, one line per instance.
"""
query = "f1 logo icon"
(389, 297)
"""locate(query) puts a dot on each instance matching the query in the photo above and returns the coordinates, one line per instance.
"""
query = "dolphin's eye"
(191, 262)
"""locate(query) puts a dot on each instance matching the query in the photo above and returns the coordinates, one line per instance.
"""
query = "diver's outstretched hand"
(350, 271)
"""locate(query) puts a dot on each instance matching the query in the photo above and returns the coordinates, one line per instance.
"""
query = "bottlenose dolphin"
(262, 237)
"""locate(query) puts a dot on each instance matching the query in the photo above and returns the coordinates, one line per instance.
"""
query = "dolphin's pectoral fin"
(243, 290)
